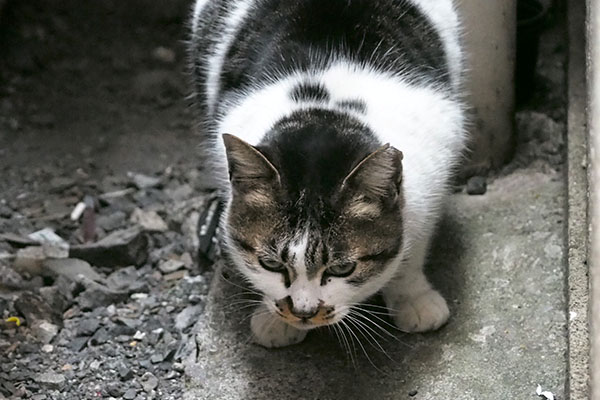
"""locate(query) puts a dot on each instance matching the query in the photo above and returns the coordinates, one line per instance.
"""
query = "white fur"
(231, 22)
(444, 18)
(198, 7)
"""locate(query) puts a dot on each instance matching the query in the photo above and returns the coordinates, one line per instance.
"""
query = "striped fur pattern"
(332, 129)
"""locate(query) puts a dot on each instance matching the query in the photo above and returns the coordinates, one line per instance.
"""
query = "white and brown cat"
(332, 128)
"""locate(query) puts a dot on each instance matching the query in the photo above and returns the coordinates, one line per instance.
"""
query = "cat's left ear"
(379, 174)
(247, 164)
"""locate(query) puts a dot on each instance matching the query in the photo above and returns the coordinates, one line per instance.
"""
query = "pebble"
(47, 348)
(149, 382)
(115, 389)
(413, 393)
(125, 373)
(477, 185)
(171, 265)
(50, 379)
(88, 327)
(71, 269)
(44, 331)
(149, 220)
(130, 394)
(173, 276)
(121, 248)
(187, 316)
(77, 344)
(142, 181)
(94, 365)
(111, 222)
(177, 366)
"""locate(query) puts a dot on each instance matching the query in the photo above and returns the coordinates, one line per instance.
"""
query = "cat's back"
(243, 44)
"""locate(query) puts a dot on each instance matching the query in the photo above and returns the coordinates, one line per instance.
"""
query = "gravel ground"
(92, 114)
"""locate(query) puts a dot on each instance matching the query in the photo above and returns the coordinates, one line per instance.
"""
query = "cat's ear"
(247, 164)
(378, 175)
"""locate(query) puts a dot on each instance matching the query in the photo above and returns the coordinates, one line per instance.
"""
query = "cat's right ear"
(247, 164)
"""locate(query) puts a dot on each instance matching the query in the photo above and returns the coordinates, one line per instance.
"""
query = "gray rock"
(125, 373)
(477, 185)
(70, 268)
(149, 382)
(97, 295)
(149, 220)
(120, 248)
(171, 265)
(100, 337)
(115, 389)
(29, 260)
(35, 309)
(112, 221)
(142, 181)
(44, 331)
(88, 327)
(10, 279)
(77, 344)
(50, 379)
(130, 394)
(188, 316)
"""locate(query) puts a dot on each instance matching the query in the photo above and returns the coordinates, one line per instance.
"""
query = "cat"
(333, 128)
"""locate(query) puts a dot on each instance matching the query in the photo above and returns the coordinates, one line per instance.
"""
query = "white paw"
(422, 313)
(270, 331)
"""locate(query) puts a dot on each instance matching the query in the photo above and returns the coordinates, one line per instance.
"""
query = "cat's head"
(317, 229)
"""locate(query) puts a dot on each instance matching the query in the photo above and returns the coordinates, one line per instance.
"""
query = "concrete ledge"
(577, 278)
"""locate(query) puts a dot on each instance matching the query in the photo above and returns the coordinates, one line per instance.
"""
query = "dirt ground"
(92, 94)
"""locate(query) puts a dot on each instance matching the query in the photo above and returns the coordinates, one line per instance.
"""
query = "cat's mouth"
(325, 315)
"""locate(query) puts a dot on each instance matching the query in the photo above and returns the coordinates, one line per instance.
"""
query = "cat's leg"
(415, 306)
(271, 331)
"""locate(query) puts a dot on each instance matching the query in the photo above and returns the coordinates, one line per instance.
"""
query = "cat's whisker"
(384, 330)
(364, 350)
(351, 352)
(364, 328)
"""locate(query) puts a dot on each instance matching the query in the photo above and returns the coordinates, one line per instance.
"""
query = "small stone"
(187, 260)
(29, 260)
(149, 382)
(111, 222)
(53, 245)
(78, 344)
(171, 265)
(130, 394)
(173, 276)
(139, 335)
(157, 358)
(10, 279)
(477, 185)
(35, 309)
(125, 373)
(50, 380)
(187, 316)
(120, 248)
(44, 331)
(413, 393)
(97, 295)
(177, 366)
(94, 365)
(88, 327)
(47, 348)
(100, 337)
(171, 375)
(149, 220)
(115, 389)
(71, 269)
(142, 181)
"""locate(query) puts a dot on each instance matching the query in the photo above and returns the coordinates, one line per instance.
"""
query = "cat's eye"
(271, 265)
(341, 270)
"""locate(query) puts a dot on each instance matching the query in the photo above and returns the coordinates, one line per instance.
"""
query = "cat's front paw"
(425, 312)
(270, 331)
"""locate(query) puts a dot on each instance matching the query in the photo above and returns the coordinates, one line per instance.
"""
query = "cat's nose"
(303, 313)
